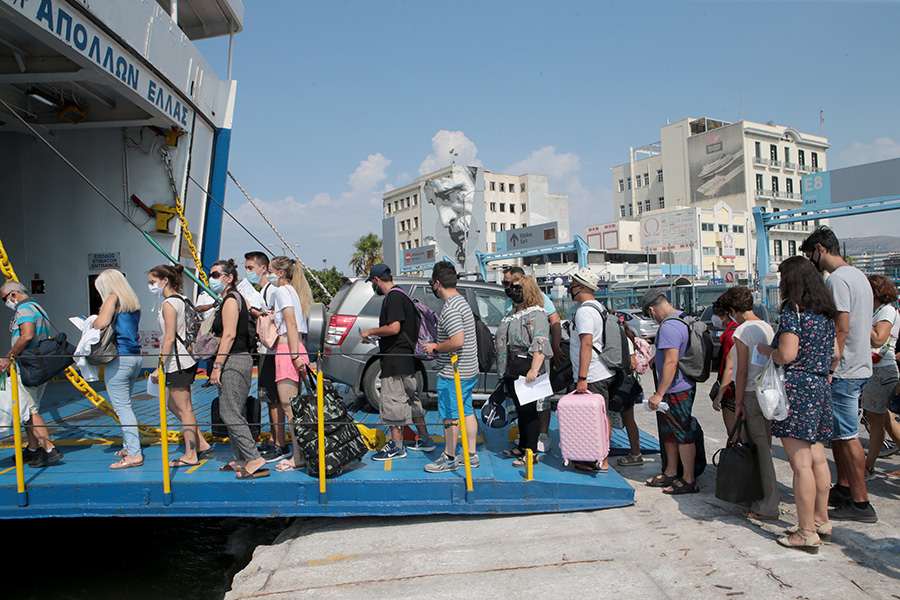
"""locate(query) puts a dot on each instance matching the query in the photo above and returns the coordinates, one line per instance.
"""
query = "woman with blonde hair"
(523, 350)
(177, 363)
(121, 310)
(290, 305)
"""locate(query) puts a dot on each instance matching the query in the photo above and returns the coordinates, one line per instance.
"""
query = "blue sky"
(340, 101)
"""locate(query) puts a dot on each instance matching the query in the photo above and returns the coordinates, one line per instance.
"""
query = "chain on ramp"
(179, 208)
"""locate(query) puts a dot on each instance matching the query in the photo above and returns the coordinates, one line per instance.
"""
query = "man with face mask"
(544, 442)
(29, 326)
(850, 370)
(398, 328)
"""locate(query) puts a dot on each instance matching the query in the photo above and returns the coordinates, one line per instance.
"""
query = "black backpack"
(696, 363)
(485, 340)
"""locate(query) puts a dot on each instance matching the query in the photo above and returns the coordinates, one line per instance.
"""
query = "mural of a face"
(453, 197)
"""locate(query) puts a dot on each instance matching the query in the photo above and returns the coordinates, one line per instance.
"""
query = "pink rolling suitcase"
(583, 427)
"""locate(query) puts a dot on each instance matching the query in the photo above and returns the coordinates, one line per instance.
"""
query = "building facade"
(700, 163)
(459, 210)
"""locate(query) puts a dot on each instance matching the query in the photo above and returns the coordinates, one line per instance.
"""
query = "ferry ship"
(114, 140)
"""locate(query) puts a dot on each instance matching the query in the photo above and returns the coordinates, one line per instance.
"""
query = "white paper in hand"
(758, 359)
(532, 392)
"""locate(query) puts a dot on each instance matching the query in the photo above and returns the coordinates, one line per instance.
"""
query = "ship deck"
(81, 483)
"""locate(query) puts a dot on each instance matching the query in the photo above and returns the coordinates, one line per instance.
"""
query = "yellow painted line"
(197, 466)
(387, 465)
(5, 471)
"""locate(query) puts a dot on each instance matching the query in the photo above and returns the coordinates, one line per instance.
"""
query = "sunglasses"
(216, 274)
(7, 296)
(517, 288)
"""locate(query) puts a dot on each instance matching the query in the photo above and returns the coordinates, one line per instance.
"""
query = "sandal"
(257, 474)
(812, 548)
(680, 486)
(632, 460)
(180, 462)
(520, 462)
(121, 453)
(514, 452)
(285, 465)
(752, 515)
(662, 481)
(127, 464)
(228, 468)
(824, 536)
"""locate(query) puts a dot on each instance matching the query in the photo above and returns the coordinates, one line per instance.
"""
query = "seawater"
(130, 558)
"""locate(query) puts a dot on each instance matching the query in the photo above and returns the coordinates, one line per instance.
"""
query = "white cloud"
(450, 146)
(547, 162)
(323, 227)
(859, 153)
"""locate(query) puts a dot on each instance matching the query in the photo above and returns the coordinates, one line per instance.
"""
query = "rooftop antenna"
(821, 122)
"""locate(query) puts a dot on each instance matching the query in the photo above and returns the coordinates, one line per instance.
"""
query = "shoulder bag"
(47, 359)
(738, 478)
(106, 349)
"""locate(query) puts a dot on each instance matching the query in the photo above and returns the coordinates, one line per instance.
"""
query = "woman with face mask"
(233, 370)
(723, 400)
(523, 350)
(289, 304)
(177, 363)
(121, 310)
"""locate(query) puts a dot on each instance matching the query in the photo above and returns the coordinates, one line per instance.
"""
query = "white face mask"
(272, 278)
(720, 323)
(11, 304)
(155, 288)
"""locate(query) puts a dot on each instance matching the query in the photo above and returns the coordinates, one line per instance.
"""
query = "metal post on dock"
(320, 411)
(17, 433)
(164, 435)
(470, 492)
(529, 465)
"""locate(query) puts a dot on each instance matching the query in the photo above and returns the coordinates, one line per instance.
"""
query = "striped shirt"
(457, 316)
(29, 311)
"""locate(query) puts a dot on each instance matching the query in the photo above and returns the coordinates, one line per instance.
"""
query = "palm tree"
(368, 254)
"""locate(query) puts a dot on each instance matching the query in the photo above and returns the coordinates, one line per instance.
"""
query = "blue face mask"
(216, 285)
(254, 277)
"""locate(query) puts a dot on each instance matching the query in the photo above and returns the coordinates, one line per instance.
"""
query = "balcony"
(760, 161)
(789, 166)
(808, 168)
(775, 164)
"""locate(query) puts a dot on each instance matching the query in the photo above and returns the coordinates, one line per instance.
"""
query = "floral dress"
(806, 378)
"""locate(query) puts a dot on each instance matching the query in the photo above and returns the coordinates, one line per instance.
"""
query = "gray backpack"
(615, 353)
(696, 364)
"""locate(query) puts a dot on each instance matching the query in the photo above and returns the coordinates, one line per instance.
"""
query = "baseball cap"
(587, 278)
(648, 298)
(379, 270)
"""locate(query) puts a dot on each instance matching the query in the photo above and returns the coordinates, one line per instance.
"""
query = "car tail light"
(338, 328)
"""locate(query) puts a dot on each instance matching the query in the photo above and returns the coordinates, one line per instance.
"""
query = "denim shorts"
(446, 391)
(845, 407)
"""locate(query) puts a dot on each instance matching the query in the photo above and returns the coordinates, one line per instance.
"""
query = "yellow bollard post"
(17, 433)
(164, 437)
(529, 465)
(470, 492)
(320, 411)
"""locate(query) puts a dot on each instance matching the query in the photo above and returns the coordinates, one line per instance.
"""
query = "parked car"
(640, 325)
(355, 307)
(706, 316)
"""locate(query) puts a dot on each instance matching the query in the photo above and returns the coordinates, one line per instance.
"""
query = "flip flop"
(752, 515)
(258, 474)
(662, 481)
(125, 464)
(205, 453)
(228, 467)
(514, 452)
(178, 462)
(285, 465)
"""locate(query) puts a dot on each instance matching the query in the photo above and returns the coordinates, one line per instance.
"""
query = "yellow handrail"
(164, 425)
(462, 426)
(320, 409)
(17, 433)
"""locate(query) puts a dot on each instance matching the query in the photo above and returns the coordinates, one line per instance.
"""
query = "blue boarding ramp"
(81, 484)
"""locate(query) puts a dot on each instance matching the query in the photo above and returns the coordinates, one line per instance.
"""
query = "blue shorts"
(845, 407)
(446, 391)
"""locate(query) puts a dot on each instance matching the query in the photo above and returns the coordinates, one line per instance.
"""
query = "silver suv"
(356, 307)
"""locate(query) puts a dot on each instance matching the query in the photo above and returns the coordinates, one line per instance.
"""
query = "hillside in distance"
(871, 244)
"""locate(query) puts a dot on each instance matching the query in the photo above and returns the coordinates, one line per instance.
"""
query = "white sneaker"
(544, 443)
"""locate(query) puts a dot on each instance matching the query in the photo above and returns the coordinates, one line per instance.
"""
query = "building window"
(523, 225)
(622, 211)
(512, 207)
(493, 246)
(662, 203)
(789, 187)
(493, 186)
(502, 187)
(801, 157)
(707, 227)
(792, 248)
(629, 183)
(416, 222)
(759, 182)
(388, 207)
(787, 154)
(511, 188)
(774, 183)
(773, 152)
(493, 207)
(637, 181)
(737, 228)
(512, 225)
(646, 178)
(415, 199)
(709, 251)
(493, 227)
(659, 176)
(758, 149)
(502, 204)
(621, 185)
(814, 156)
(640, 206)
(740, 251)
(630, 210)
(776, 250)
(647, 204)
(723, 228)
(502, 226)
(523, 207)
(522, 188)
